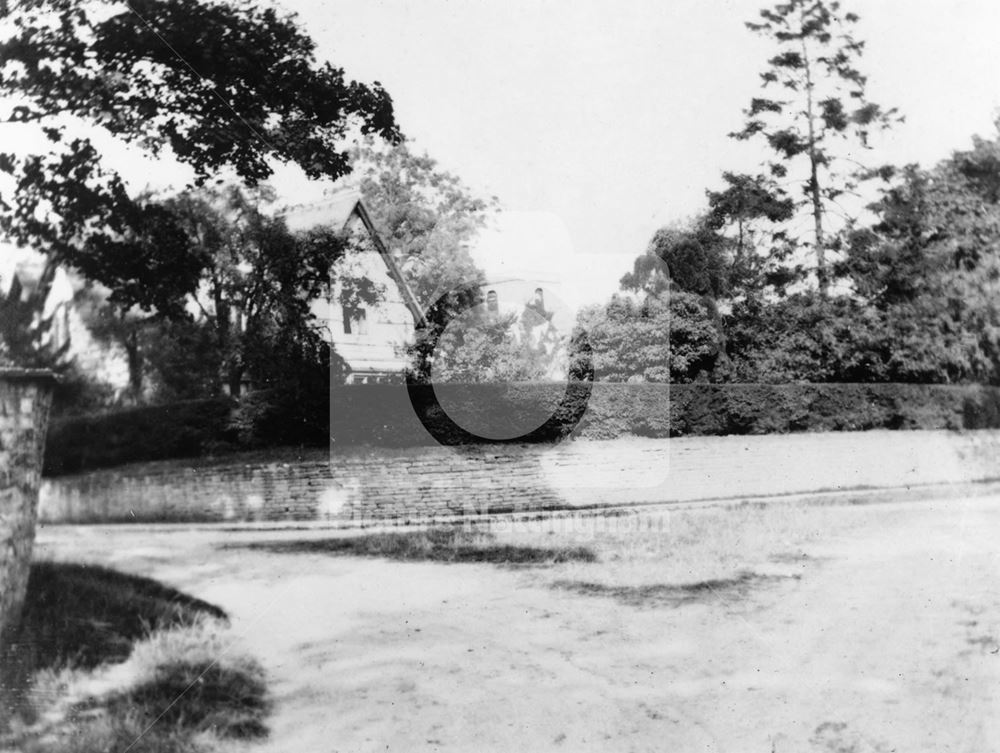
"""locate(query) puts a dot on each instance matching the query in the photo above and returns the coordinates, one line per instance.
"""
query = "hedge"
(178, 430)
(385, 415)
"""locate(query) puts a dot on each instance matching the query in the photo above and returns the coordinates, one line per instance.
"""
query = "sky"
(596, 122)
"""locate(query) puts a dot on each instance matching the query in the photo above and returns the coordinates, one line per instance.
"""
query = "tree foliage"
(428, 218)
(813, 103)
(258, 281)
(657, 337)
(118, 328)
(219, 86)
(251, 315)
(925, 279)
(750, 213)
(930, 266)
(480, 346)
(922, 303)
(689, 257)
(805, 338)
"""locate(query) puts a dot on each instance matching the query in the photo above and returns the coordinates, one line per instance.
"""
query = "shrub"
(177, 430)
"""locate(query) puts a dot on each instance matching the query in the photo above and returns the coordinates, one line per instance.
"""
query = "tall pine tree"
(813, 113)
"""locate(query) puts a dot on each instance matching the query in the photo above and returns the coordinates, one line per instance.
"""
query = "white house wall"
(390, 325)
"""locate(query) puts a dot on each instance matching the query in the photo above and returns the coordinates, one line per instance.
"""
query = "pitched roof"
(23, 272)
(8, 267)
(336, 211)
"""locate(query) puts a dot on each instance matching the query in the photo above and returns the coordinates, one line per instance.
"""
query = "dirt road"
(883, 636)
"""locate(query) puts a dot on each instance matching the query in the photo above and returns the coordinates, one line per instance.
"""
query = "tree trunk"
(135, 366)
(234, 380)
(817, 203)
(815, 196)
(722, 360)
(232, 370)
(25, 397)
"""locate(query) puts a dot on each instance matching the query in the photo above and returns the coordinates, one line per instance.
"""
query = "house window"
(356, 323)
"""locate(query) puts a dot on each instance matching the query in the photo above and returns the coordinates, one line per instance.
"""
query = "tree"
(478, 346)
(660, 337)
(689, 257)
(220, 86)
(821, 104)
(690, 261)
(169, 359)
(754, 208)
(124, 328)
(806, 338)
(258, 281)
(256, 285)
(181, 360)
(925, 278)
(930, 267)
(427, 217)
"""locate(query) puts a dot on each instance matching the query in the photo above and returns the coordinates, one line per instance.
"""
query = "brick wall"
(367, 485)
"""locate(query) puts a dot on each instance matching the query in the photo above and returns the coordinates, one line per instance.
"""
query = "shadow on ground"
(79, 617)
(671, 595)
(85, 615)
(434, 545)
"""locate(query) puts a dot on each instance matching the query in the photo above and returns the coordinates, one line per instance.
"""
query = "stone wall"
(25, 398)
(368, 485)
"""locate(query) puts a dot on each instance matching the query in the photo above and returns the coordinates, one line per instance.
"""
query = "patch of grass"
(192, 697)
(183, 690)
(176, 707)
(85, 615)
(676, 545)
(113, 735)
(108, 662)
(664, 594)
(435, 545)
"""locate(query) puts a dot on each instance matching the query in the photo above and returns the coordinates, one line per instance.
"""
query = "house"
(62, 331)
(544, 326)
(372, 340)
(532, 271)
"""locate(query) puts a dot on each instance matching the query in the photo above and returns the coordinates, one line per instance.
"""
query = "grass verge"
(85, 615)
(433, 545)
(111, 662)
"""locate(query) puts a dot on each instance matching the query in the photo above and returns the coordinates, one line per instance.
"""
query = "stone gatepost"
(25, 398)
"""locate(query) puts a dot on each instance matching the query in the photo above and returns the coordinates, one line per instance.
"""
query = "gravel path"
(884, 637)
